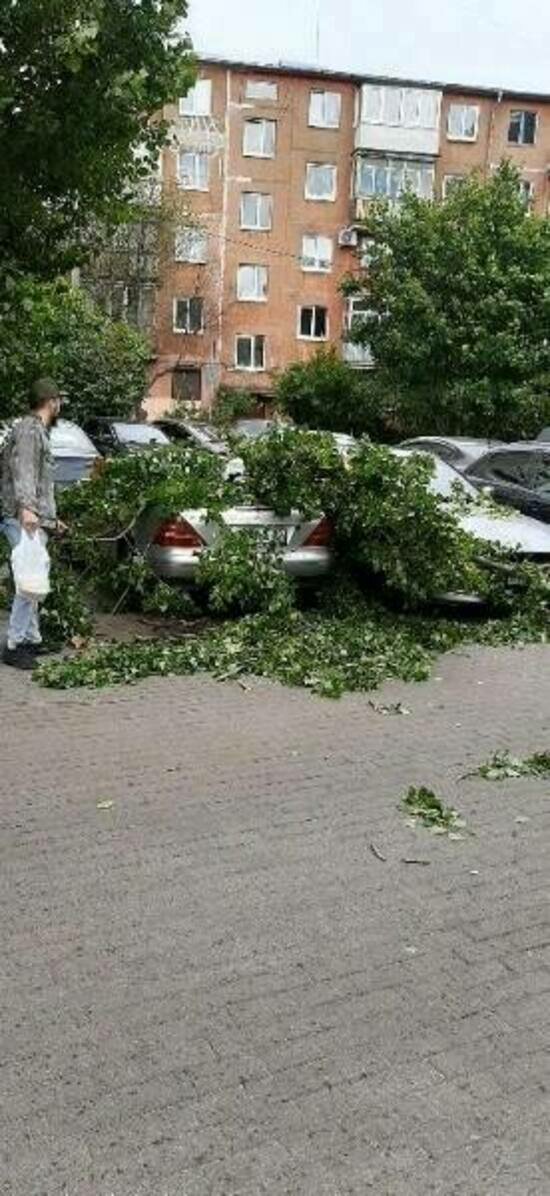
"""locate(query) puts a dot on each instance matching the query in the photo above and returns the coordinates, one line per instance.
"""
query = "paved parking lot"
(214, 986)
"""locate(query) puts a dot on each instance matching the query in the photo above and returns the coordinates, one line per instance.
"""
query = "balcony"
(389, 178)
(399, 120)
(358, 356)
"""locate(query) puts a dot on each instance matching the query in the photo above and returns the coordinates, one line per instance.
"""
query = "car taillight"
(321, 535)
(177, 533)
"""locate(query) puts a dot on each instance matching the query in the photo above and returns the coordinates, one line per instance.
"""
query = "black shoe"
(19, 658)
(42, 649)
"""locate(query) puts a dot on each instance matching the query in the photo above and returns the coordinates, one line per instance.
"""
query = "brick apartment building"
(277, 165)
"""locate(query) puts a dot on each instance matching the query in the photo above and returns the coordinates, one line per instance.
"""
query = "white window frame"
(252, 337)
(187, 299)
(191, 246)
(198, 101)
(201, 172)
(259, 274)
(527, 191)
(322, 99)
(265, 91)
(264, 123)
(313, 259)
(358, 355)
(263, 202)
(313, 307)
(449, 180)
(459, 115)
(310, 168)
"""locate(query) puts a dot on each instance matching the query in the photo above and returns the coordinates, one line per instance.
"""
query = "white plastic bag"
(31, 566)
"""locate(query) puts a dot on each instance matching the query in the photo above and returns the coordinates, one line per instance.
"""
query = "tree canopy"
(55, 329)
(459, 299)
(81, 85)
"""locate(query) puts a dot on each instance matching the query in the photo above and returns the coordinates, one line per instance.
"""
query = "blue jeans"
(24, 626)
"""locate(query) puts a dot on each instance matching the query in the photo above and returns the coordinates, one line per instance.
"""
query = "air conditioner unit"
(347, 238)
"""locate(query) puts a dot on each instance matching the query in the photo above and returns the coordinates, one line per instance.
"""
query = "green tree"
(326, 394)
(81, 85)
(55, 329)
(459, 298)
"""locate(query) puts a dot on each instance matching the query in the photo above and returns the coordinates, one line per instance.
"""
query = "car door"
(510, 474)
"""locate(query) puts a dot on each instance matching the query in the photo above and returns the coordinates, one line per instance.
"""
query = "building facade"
(275, 167)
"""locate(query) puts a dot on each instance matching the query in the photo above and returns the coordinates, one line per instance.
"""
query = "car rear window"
(541, 476)
(140, 434)
(516, 469)
(70, 440)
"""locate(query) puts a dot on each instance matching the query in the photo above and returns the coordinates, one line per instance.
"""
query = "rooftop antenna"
(318, 34)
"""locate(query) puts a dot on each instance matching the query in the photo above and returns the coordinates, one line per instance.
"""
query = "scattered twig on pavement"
(377, 853)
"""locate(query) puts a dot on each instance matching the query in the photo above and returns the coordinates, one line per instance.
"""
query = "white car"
(74, 454)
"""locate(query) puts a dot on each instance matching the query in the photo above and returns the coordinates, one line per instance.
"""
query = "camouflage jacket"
(28, 472)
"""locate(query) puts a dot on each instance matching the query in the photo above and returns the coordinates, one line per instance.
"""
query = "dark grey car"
(517, 474)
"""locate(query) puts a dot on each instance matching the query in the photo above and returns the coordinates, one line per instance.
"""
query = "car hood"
(511, 530)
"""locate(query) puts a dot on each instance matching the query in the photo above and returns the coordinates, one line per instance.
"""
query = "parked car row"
(518, 475)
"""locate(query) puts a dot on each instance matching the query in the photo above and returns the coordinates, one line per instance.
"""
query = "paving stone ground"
(215, 987)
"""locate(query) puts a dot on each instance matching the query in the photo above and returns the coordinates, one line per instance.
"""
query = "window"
(250, 353)
(256, 211)
(317, 254)
(408, 107)
(193, 171)
(514, 469)
(463, 122)
(198, 101)
(381, 178)
(188, 315)
(191, 245)
(354, 353)
(252, 284)
(523, 127)
(527, 191)
(313, 323)
(261, 89)
(324, 109)
(320, 181)
(259, 138)
(541, 475)
(450, 181)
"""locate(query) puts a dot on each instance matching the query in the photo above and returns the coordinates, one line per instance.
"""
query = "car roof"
(459, 441)
(522, 446)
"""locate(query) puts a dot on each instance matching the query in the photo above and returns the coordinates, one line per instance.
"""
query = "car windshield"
(445, 481)
(140, 434)
(207, 433)
(254, 428)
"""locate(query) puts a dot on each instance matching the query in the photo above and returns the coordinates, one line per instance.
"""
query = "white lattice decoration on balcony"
(203, 134)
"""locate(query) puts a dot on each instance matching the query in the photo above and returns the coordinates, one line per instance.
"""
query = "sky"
(501, 43)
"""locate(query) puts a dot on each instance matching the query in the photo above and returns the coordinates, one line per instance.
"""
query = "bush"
(326, 394)
(55, 330)
(231, 405)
